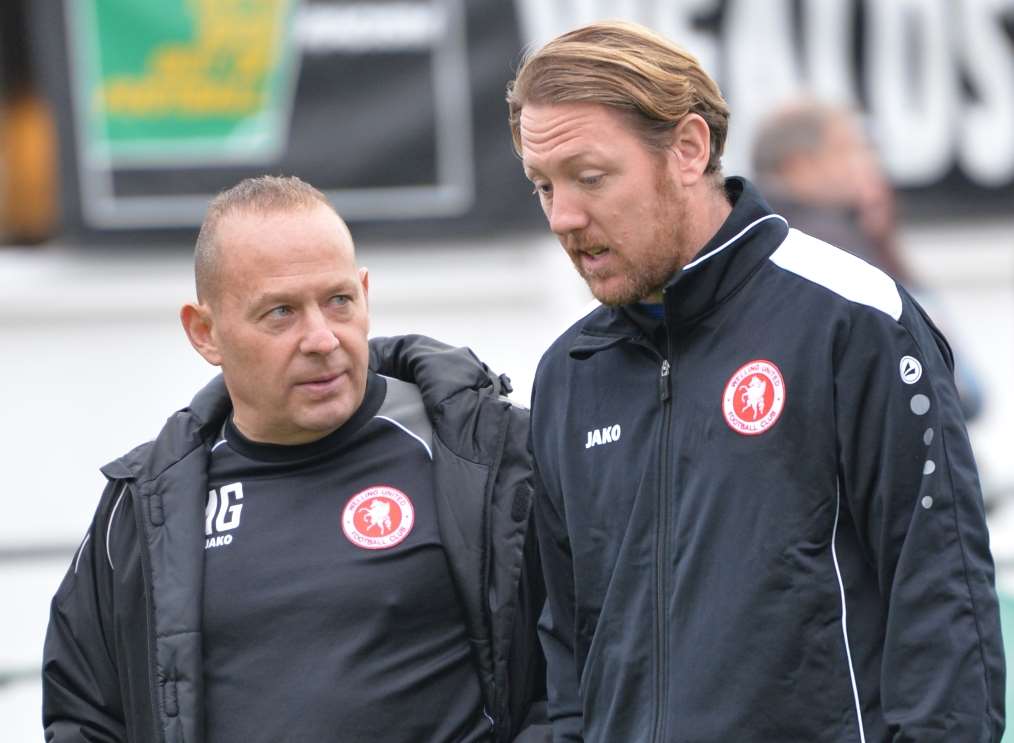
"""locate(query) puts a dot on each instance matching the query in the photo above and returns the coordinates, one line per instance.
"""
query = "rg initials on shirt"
(606, 435)
(222, 513)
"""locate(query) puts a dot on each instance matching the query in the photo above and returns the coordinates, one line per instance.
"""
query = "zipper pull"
(664, 390)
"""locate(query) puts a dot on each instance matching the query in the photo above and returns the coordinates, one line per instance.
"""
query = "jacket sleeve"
(908, 478)
(438, 369)
(80, 686)
(527, 664)
(558, 621)
(446, 374)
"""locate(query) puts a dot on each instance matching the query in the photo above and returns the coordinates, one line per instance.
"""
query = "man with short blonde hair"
(295, 556)
(260, 195)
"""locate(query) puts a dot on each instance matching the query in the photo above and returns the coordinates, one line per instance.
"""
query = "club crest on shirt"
(754, 397)
(378, 518)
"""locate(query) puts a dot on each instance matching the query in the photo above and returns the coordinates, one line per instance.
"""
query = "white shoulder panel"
(840, 271)
(403, 407)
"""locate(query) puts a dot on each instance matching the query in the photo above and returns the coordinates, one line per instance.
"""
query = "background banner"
(395, 108)
(181, 82)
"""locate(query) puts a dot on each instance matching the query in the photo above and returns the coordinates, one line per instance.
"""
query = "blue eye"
(280, 311)
(591, 180)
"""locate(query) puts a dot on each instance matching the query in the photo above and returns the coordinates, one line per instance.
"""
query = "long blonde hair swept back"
(627, 67)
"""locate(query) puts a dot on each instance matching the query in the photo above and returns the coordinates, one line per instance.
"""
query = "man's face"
(289, 323)
(837, 173)
(610, 199)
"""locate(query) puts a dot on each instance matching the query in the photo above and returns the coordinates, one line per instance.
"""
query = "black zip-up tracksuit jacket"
(760, 519)
(122, 659)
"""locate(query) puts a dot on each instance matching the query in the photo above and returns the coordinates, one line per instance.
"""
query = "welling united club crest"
(754, 397)
(378, 518)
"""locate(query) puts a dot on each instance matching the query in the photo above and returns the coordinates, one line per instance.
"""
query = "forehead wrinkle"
(242, 246)
(539, 130)
(543, 139)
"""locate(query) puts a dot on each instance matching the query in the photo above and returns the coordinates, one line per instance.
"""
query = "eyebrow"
(565, 162)
(281, 297)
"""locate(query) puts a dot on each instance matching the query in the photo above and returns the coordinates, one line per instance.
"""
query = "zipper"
(662, 548)
(139, 516)
(496, 696)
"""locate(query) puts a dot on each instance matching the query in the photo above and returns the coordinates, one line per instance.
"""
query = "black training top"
(329, 611)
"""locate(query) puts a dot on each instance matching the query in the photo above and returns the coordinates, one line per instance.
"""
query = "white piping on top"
(417, 438)
(733, 239)
(80, 551)
(109, 526)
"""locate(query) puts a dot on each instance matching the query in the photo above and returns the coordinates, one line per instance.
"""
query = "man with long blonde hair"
(757, 506)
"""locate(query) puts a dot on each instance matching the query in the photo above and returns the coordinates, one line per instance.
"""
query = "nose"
(318, 338)
(565, 213)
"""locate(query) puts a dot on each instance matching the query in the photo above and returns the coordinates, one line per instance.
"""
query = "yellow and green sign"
(183, 80)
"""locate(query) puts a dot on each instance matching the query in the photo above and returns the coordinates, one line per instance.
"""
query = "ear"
(197, 323)
(691, 146)
(364, 279)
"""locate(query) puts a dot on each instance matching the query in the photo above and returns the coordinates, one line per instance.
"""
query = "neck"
(700, 213)
(714, 210)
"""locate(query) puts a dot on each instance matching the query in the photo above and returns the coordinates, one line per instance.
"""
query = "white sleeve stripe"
(80, 551)
(109, 526)
(424, 444)
(219, 443)
(733, 239)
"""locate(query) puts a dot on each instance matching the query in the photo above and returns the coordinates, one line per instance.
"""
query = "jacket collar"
(747, 237)
(186, 429)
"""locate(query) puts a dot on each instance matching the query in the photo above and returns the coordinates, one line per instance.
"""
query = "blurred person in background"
(817, 167)
(757, 507)
(310, 550)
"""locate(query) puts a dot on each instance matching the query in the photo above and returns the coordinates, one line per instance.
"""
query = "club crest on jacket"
(754, 397)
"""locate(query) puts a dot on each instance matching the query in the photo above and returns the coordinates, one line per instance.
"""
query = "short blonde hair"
(629, 68)
(267, 193)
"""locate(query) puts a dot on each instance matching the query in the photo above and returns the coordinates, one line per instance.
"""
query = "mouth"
(322, 384)
(591, 258)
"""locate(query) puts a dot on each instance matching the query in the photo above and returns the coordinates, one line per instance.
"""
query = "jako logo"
(606, 435)
(221, 513)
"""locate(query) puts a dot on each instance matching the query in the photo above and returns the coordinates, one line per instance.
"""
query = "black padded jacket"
(122, 659)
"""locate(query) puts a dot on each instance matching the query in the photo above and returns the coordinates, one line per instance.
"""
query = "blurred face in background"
(288, 323)
(617, 206)
(843, 170)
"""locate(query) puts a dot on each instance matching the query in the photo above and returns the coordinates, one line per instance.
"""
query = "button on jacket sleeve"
(908, 479)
